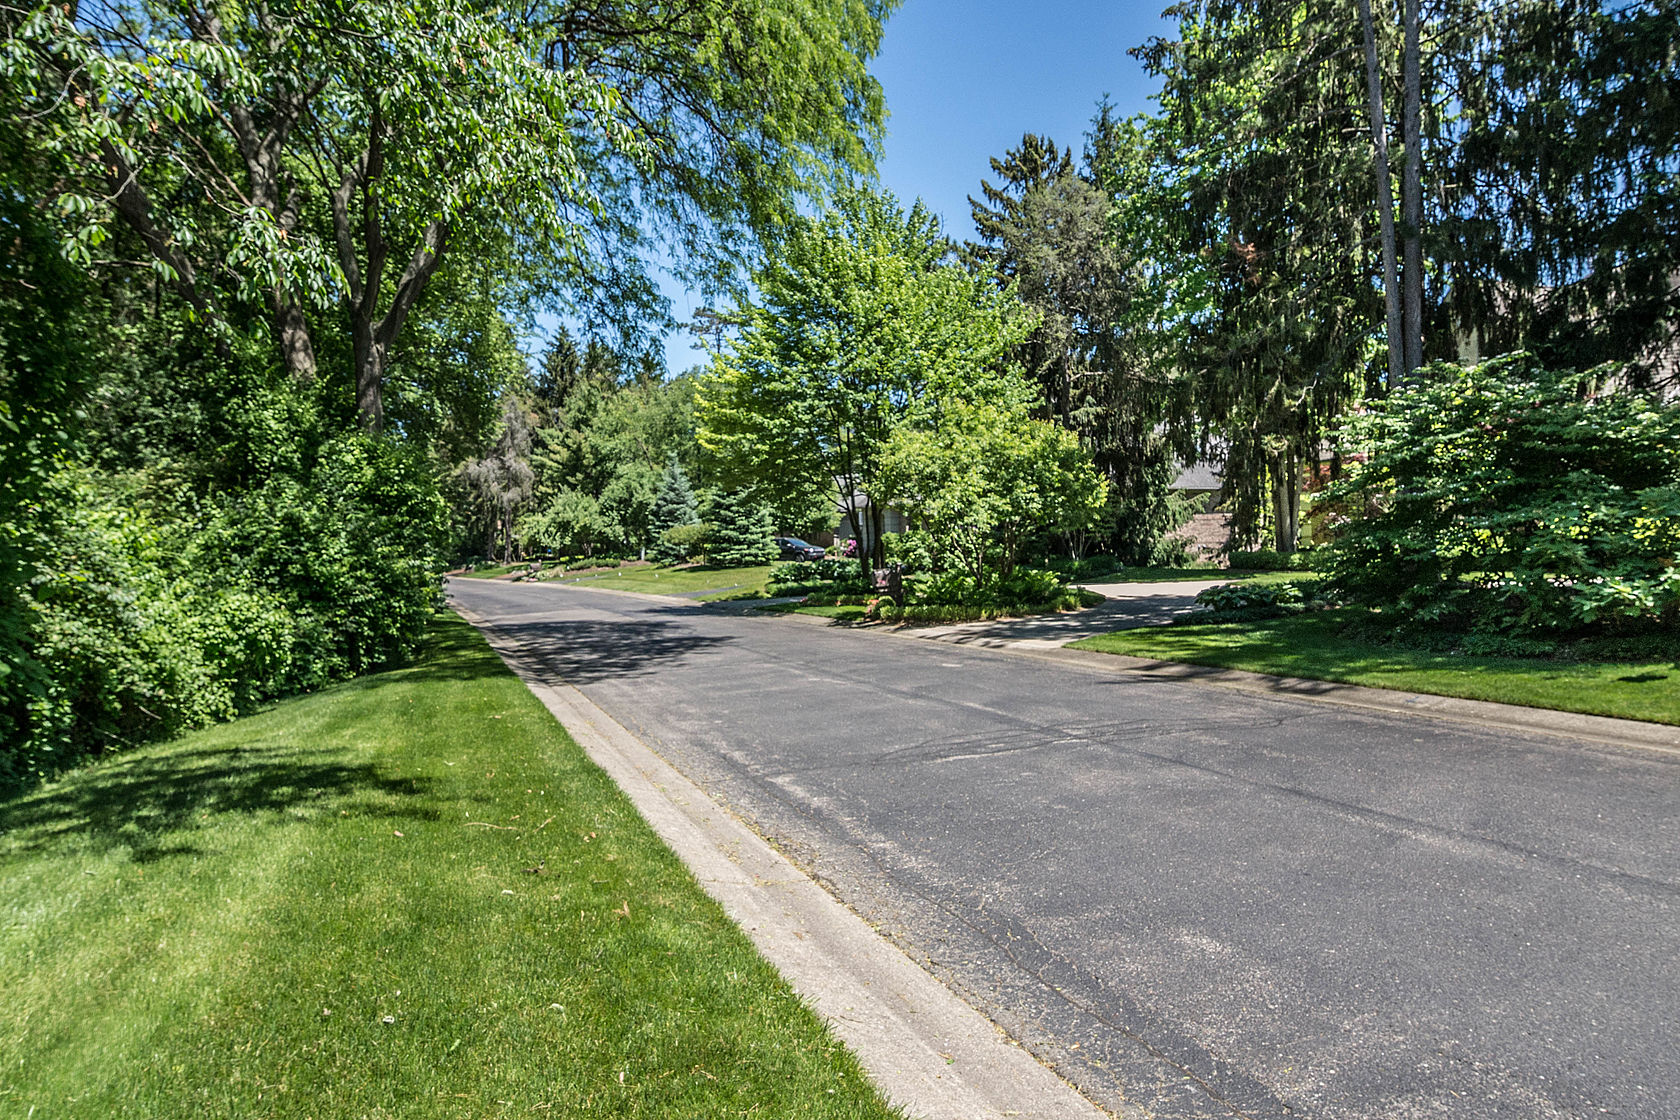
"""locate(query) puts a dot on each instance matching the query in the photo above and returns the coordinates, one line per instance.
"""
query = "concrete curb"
(929, 1052)
(1486, 713)
(1605, 730)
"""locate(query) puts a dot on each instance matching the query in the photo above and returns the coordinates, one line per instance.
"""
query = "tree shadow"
(149, 803)
(585, 651)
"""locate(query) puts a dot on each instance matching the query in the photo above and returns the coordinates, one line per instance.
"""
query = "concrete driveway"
(1192, 902)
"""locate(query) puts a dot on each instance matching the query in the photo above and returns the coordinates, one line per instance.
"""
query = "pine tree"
(673, 505)
(741, 531)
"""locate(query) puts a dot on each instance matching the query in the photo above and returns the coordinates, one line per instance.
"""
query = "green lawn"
(1312, 645)
(662, 580)
(410, 895)
(841, 614)
(492, 571)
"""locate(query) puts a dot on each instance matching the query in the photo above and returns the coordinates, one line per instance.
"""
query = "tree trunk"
(863, 554)
(878, 526)
(1385, 198)
(1286, 500)
(1411, 193)
(295, 345)
(370, 375)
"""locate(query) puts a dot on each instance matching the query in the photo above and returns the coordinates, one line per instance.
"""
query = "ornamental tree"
(741, 530)
(673, 508)
(1509, 496)
(860, 324)
(987, 476)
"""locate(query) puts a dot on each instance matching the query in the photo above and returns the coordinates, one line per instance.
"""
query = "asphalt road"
(1192, 902)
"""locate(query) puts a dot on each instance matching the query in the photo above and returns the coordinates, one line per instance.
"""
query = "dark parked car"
(795, 549)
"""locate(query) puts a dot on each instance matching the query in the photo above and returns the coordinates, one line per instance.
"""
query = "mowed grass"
(492, 571)
(408, 896)
(661, 580)
(839, 614)
(1312, 645)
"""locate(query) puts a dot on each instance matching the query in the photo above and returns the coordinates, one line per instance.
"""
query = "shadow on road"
(584, 651)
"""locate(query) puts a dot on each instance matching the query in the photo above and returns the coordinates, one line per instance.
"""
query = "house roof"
(1201, 476)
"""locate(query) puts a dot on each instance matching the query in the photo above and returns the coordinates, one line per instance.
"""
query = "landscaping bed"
(411, 894)
(836, 589)
(1634, 679)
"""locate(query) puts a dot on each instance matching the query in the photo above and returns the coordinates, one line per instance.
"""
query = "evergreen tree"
(559, 371)
(741, 530)
(673, 505)
(1044, 231)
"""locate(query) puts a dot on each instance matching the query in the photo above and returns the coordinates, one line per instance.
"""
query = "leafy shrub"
(1509, 497)
(1029, 585)
(145, 622)
(800, 577)
(1098, 566)
(813, 571)
(1254, 600)
(914, 551)
(682, 542)
(1266, 560)
(880, 608)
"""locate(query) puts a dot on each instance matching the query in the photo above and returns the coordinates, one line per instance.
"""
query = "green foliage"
(1267, 560)
(1045, 233)
(683, 542)
(145, 622)
(1508, 496)
(673, 507)
(1234, 601)
(986, 477)
(816, 577)
(1540, 248)
(958, 597)
(1246, 198)
(608, 439)
(741, 531)
(571, 523)
(323, 163)
(914, 551)
(43, 373)
(858, 319)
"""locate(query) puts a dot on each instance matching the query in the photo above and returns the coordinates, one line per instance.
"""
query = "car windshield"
(795, 542)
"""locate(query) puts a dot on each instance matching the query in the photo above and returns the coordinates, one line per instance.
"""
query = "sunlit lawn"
(839, 614)
(411, 895)
(664, 580)
(1312, 645)
(491, 571)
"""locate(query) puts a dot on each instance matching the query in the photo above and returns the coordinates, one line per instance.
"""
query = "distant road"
(1193, 902)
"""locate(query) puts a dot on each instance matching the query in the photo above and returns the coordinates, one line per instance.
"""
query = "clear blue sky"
(965, 79)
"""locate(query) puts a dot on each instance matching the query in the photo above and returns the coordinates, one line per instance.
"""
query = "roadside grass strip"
(660, 580)
(1311, 646)
(409, 895)
(493, 571)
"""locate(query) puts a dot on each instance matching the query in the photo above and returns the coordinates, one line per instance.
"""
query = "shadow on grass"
(584, 651)
(151, 802)
(451, 651)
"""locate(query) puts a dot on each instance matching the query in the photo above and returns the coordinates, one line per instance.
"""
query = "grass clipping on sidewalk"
(411, 895)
